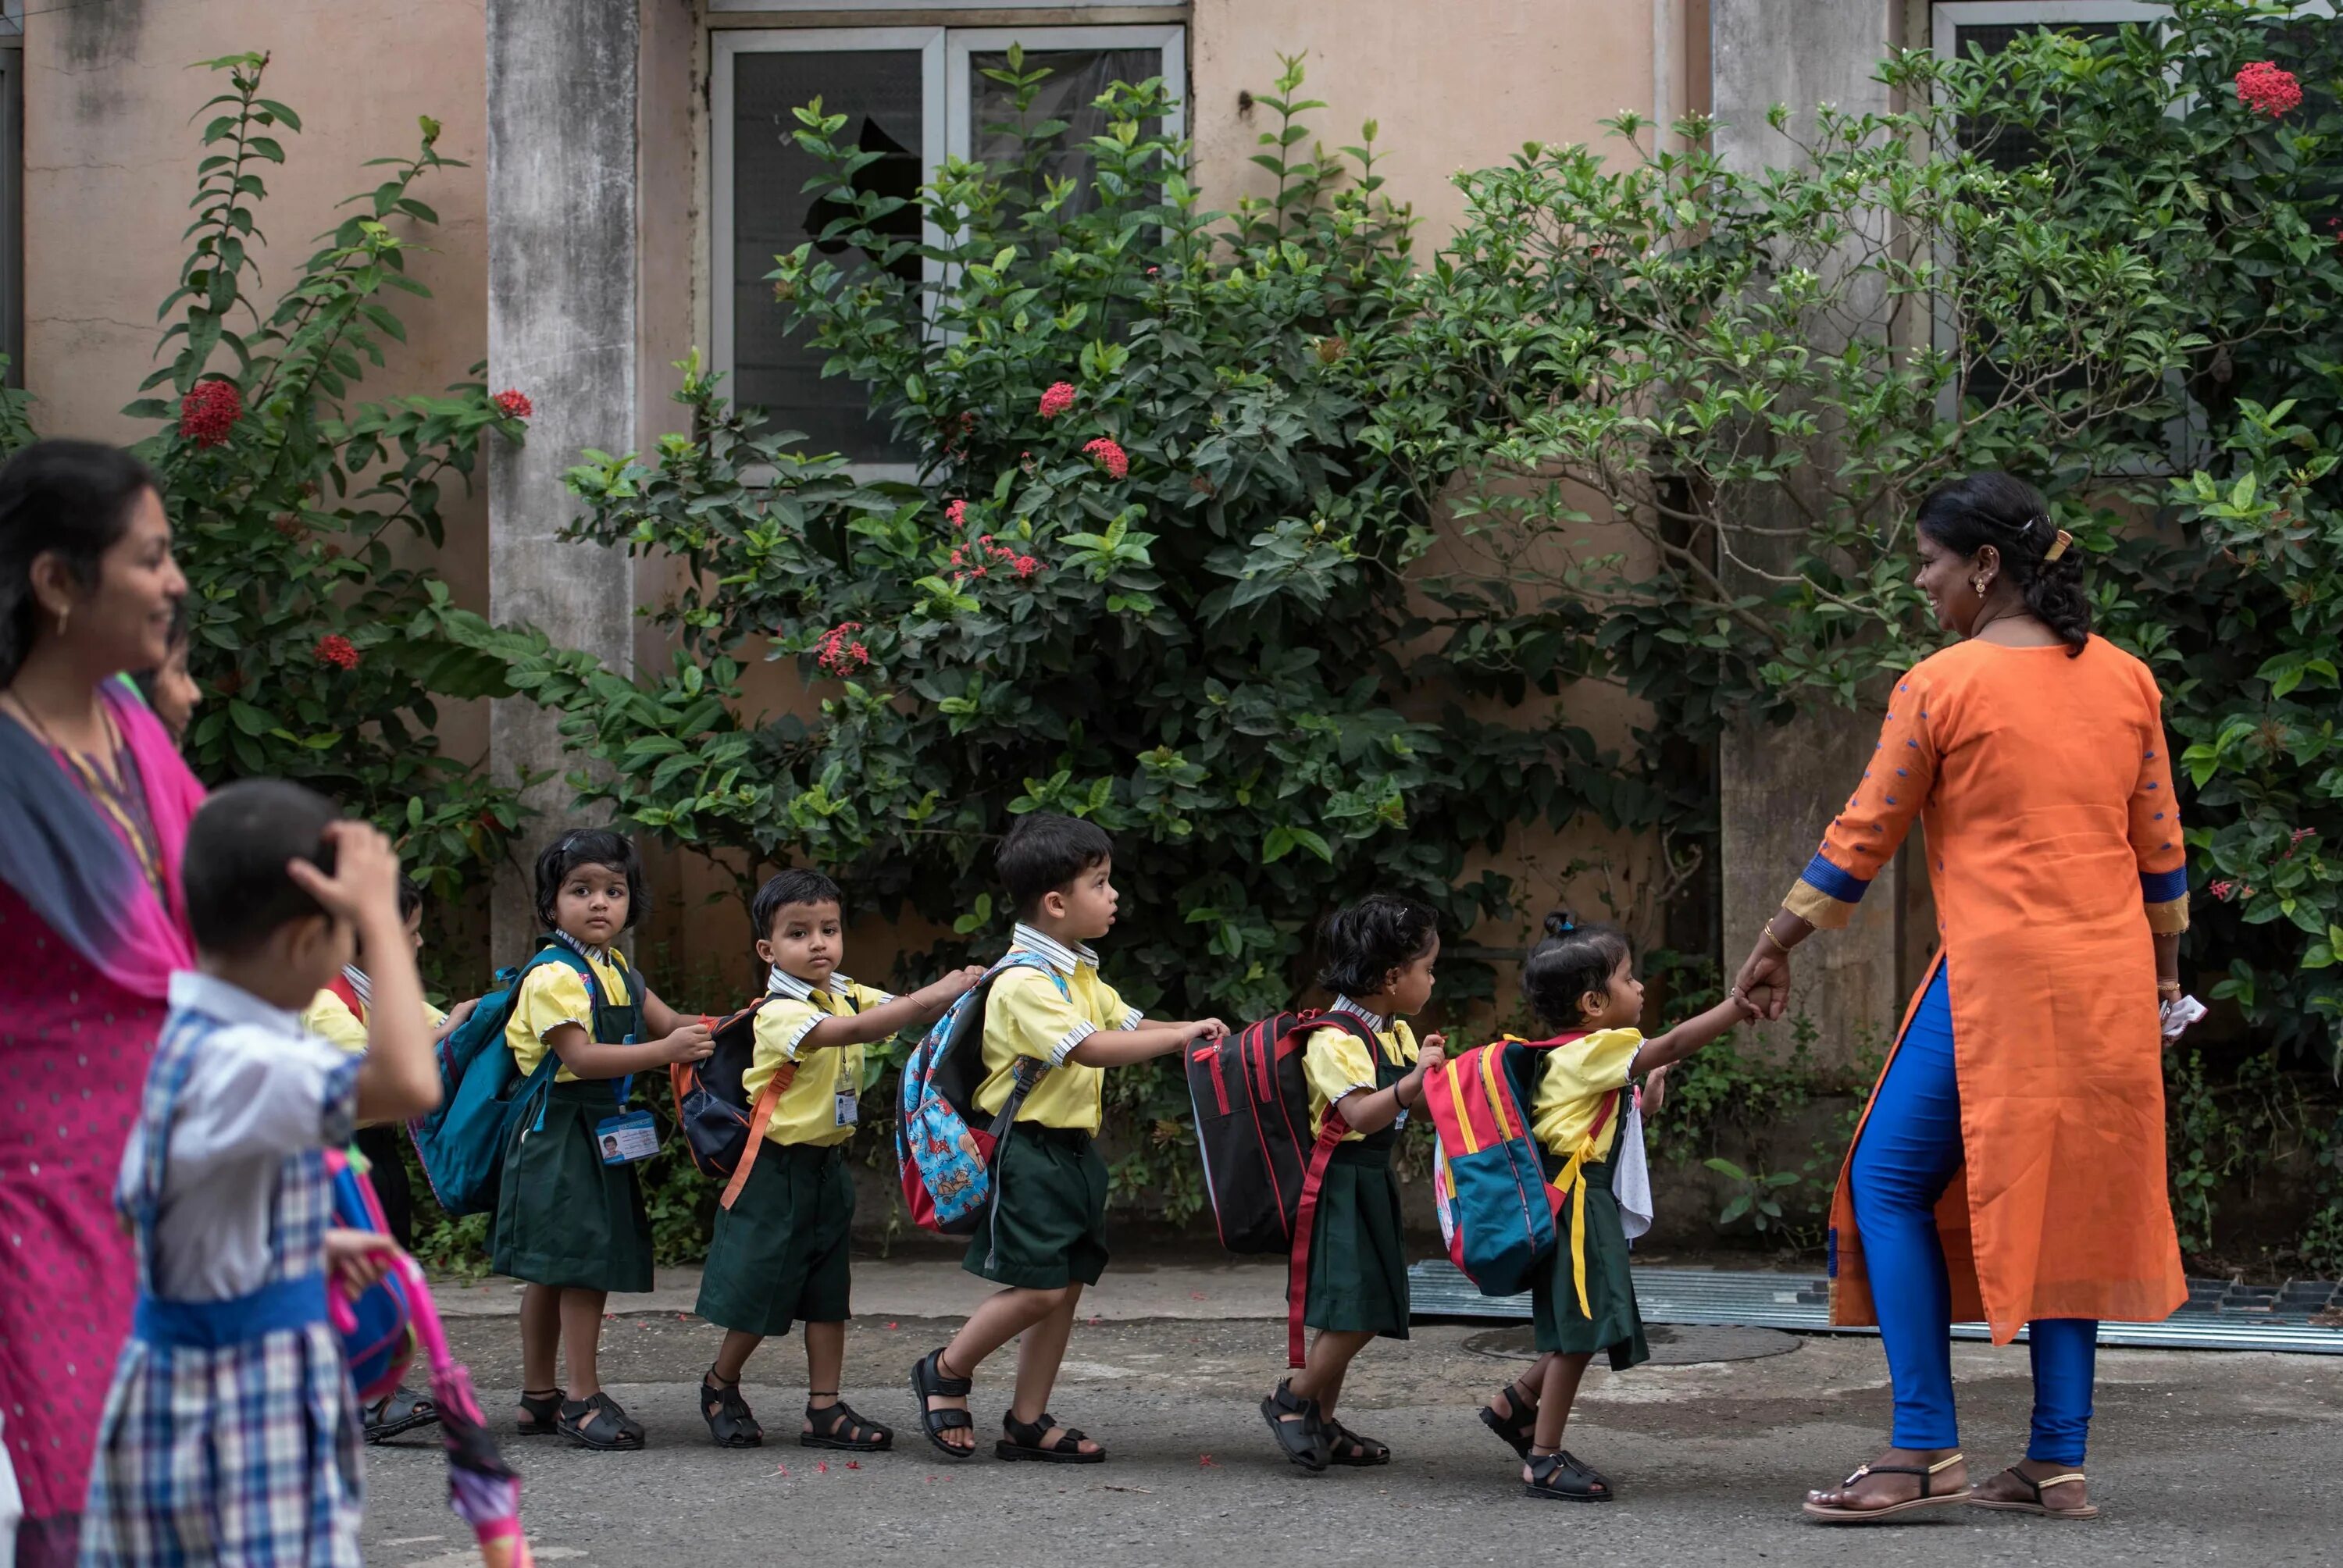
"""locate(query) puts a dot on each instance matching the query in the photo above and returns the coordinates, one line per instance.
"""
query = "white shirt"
(261, 1088)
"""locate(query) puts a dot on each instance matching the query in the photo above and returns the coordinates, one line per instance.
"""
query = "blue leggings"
(1909, 1149)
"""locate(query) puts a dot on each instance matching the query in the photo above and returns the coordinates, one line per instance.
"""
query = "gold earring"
(1978, 584)
(64, 616)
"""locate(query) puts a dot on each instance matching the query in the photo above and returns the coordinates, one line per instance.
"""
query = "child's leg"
(998, 1318)
(540, 1337)
(1329, 1357)
(825, 1346)
(581, 1340)
(732, 1355)
(1562, 1375)
(1039, 1354)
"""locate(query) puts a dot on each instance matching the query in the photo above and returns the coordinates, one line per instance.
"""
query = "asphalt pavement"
(2198, 1457)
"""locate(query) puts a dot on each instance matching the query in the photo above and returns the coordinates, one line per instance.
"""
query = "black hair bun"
(1560, 923)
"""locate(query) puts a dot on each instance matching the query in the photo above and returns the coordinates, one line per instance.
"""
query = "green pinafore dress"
(1611, 1324)
(1358, 1257)
(563, 1217)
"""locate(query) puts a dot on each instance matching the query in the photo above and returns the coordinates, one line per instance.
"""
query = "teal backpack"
(481, 1091)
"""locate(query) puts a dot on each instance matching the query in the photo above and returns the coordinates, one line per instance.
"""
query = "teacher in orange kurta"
(2010, 1165)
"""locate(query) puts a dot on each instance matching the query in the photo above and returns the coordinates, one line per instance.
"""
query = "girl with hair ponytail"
(2010, 1166)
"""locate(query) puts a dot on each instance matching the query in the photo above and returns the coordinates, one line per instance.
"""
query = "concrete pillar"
(562, 303)
(1778, 786)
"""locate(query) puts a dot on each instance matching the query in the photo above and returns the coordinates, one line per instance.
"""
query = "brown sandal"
(1929, 1498)
(2037, 1507)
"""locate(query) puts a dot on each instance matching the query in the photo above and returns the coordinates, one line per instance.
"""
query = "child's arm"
(398, 1077)
(661, 1020)
(1373, 1110)
(1122, 1047)
(600, 1058)
(889, 1018)
(1666, 1049)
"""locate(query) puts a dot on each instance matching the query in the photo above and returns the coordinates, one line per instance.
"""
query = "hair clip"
(2058, 547)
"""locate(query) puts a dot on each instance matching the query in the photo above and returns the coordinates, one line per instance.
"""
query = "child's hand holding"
(958, 983)
(1655, 1091)
(1432, 1052)
(1208, 1029)
(357, 1260)
(456, 1015)
(692, 1042)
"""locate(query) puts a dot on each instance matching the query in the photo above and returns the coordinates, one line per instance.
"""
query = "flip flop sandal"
(1518, 1430)
(540, 1414)
(1928, 1497)
(1301, 1431)
(1559, 1477)
(1024, 1442)
(413, 1408)
(835, 1425)
(1363, 1452)
(729, 1420)
(600, 1424)
(928, 1381)
(2037, 1507)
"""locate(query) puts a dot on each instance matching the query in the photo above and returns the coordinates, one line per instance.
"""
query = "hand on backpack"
(1431, 1053)
(957, 984)
(692, 1042)
(357, 1260)
(1209, 1028)
(456, 1016)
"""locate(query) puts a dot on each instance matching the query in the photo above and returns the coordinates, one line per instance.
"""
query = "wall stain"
(98, 34)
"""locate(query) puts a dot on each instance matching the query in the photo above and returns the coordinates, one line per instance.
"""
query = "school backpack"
(461, 1144)
(722, 1131)
(1496, 1208)
(946, 1147)
(377, 1326)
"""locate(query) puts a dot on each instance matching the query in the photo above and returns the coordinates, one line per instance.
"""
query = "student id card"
(849, 1107)
(627, 1138)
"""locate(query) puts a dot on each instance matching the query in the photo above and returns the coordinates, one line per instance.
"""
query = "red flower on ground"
(957, 512)
(2268, 88)
(1111, 456)
(841, 655)
(335, 650)
(514, 404)
(209, 412)
(1057, 400)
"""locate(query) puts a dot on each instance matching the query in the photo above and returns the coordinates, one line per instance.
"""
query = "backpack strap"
(1570, 1186)
(760, 1117)
(1332, 1131)
(1024, 1078)
(340, 986)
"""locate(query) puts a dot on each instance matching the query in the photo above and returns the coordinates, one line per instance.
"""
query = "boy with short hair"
(779, 1252)
(1046, 1237)
(225, 1181)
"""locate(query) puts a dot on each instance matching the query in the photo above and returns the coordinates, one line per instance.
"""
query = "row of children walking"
(294, 910)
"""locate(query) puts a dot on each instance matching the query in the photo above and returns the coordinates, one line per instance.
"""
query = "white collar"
(780, 982)
(1063, 958)
(604, 956)
(1374, 1020)
(192, 990)
(360, 986)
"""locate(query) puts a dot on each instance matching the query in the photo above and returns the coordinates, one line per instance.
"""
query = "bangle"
(2167, 987)
(1766, 931)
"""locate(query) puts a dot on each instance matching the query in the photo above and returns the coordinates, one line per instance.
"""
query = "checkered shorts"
(243, 1455)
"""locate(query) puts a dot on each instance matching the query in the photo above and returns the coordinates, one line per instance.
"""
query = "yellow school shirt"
(1571, 1090)
(808, 1110)
(1026, 1015)
(554, 994)
(1335, 1062)
(330, 1017)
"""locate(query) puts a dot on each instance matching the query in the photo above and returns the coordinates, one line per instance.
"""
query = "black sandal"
(1300, 1429)
(1558, 1475)
(729, 1420)
(1519, 1429)
(844, 1429)
(600, 1424)
(1362, 1453)
(412, 1410)
(1024, 1442)
(928, 1381)
(540, 1412)
(1839, 1514)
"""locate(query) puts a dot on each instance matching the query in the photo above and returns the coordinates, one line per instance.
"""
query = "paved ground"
(2198, 1458)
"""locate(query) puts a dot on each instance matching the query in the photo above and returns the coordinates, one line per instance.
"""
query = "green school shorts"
(1048, 1224)
(779, 1252)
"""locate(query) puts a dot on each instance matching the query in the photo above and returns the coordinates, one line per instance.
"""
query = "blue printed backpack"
(462, 1143)
(946, 1146)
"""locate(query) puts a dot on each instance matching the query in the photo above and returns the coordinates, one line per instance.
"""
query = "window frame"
(947, 131)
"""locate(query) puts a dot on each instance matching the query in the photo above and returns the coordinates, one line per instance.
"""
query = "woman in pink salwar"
(95, 804)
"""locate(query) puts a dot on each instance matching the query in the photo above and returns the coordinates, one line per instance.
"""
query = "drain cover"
(1673, 1344)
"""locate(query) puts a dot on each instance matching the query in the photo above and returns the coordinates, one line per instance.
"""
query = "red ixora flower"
(2268, 88)
(1111, 457)
(840, 654)
(208, 412)
(957, 512)
(1057, 400)
(335, 650)
(514, 404)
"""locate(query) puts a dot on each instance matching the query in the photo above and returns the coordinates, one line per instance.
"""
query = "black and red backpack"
(1262, 1166)
(720, 1128)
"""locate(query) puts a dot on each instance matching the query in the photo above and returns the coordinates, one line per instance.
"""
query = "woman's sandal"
(1300, 1429)
(928, 1381)
(835, 1425)
(402, 1410)
(1024, 1442)
(1560, 1476)
(2038, 1507)
(600, 1424)
(729, 1420)
(1518, 1429)
(540, 1411)
(1345, 1447)
(1929, 1498)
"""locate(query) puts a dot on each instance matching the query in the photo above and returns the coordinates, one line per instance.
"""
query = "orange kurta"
(2054, 850)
